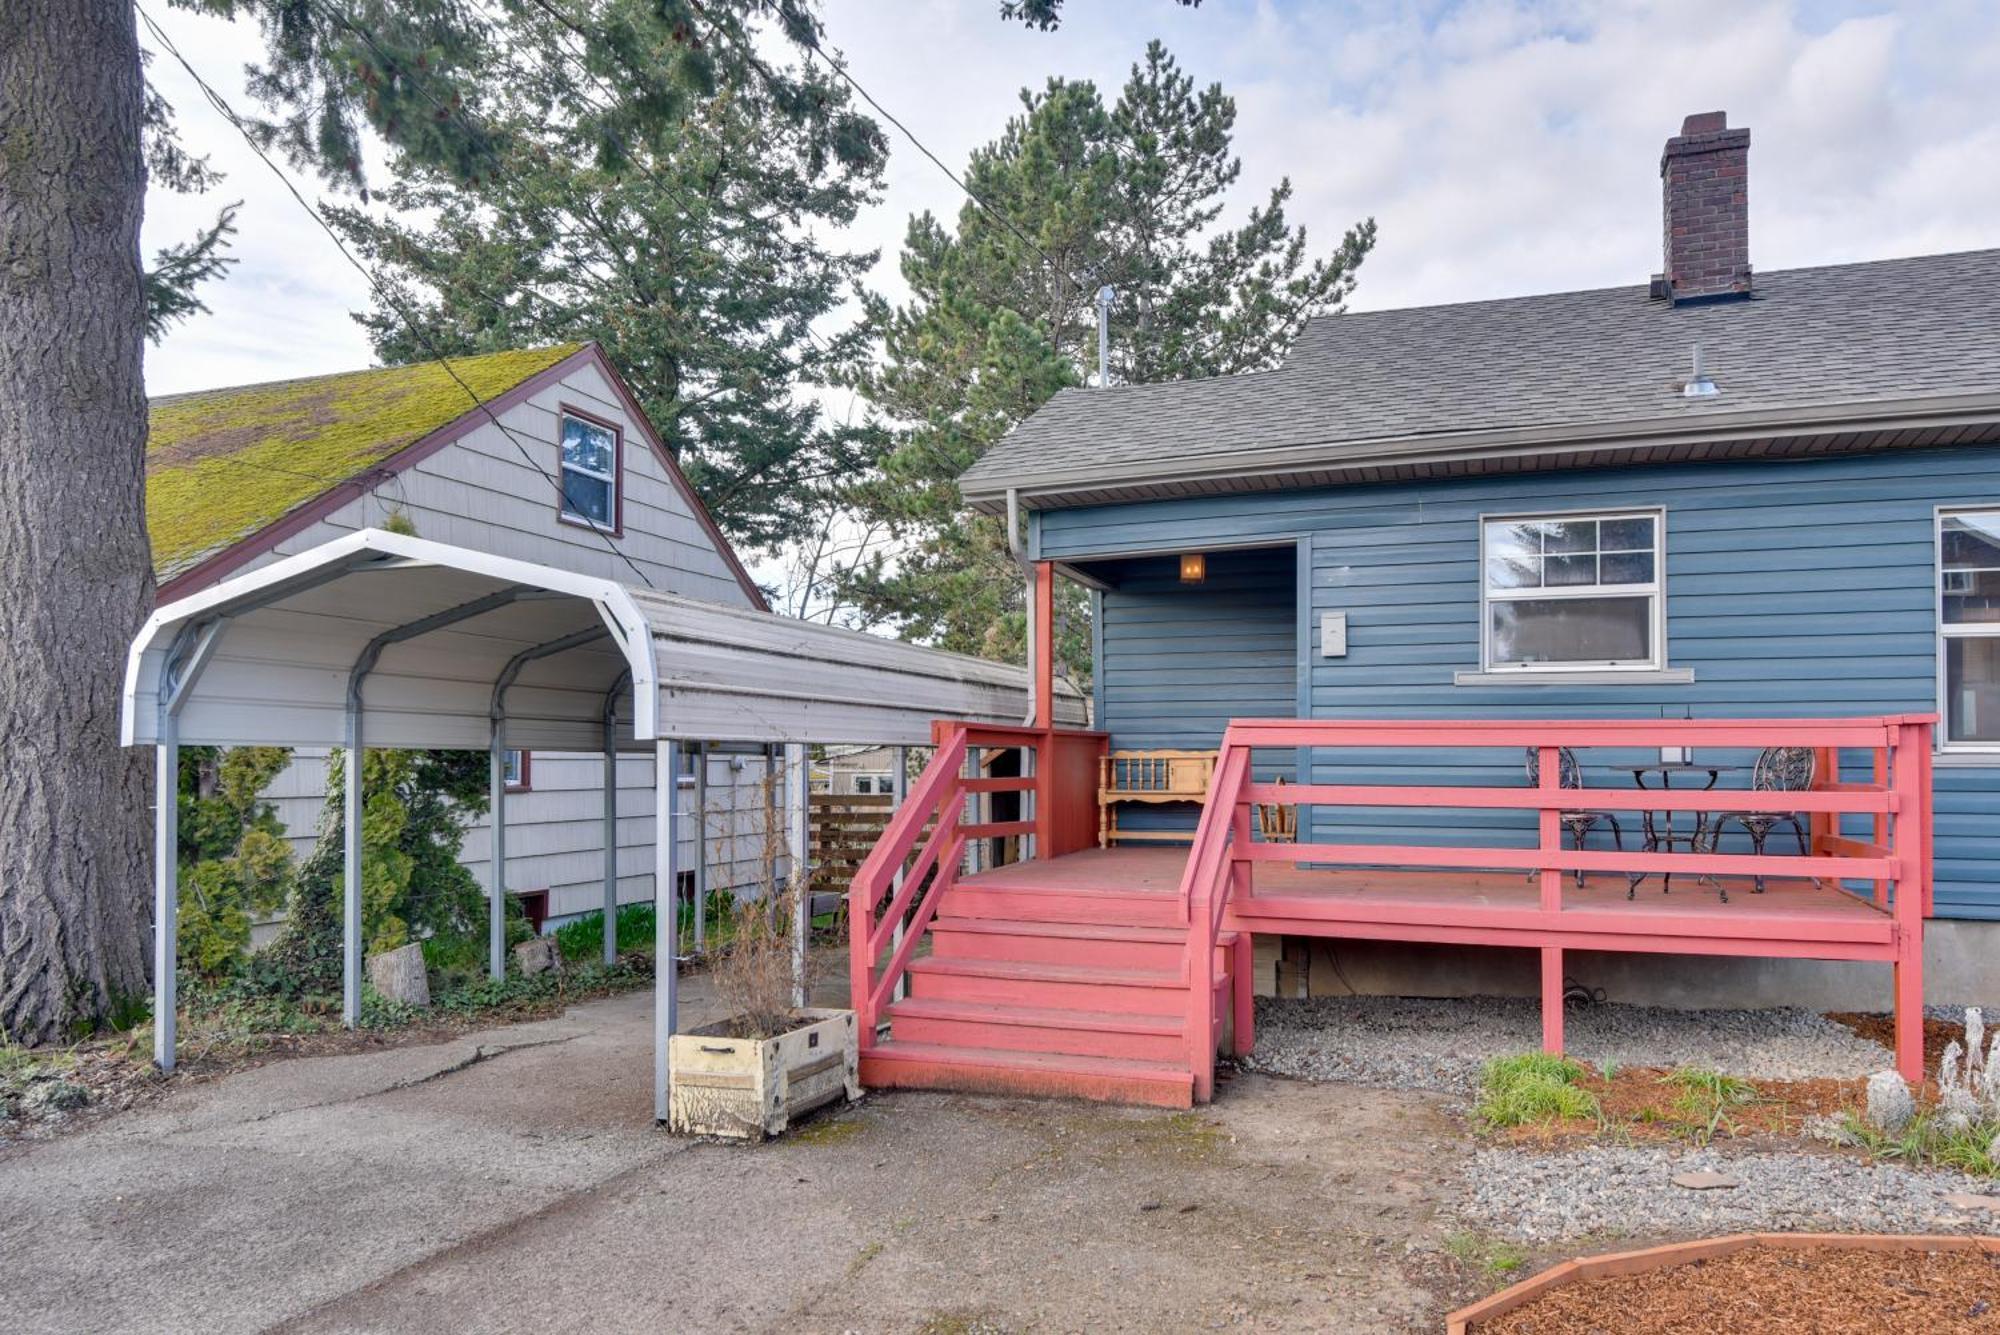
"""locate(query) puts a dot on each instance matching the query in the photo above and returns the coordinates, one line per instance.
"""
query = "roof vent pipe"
(1104, 296)
(1699, 385)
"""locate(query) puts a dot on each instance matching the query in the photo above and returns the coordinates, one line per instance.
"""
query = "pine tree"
(691, 254)
(1002, 315)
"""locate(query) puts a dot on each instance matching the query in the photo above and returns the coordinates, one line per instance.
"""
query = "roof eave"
(1543, 446)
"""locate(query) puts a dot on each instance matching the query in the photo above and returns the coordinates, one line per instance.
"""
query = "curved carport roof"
(428, 631)
(385, 640)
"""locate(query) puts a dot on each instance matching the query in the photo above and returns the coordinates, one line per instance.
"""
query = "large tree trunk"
(75, 572)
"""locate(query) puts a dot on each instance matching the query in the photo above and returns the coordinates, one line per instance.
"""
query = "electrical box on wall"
(1333, 634)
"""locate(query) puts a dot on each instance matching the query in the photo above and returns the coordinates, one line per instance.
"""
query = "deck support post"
(1552, 1000)
(666, 915)
(798, 822)
(1912, 854)
(496, 905)
(1243, 1016)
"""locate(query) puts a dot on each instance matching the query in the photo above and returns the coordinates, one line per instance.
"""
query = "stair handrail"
(1213, 868)
(938, 794)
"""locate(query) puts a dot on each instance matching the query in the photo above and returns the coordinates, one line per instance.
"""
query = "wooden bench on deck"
(1152, 777)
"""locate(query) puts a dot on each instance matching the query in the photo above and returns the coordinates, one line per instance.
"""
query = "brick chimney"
(1705, 185)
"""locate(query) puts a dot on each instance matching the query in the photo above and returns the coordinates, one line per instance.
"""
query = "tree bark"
(75, 568)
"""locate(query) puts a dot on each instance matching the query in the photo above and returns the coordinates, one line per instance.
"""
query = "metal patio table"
(1660, 833)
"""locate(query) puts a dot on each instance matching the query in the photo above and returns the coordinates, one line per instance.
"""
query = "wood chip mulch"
(1638, 1101)
(1773, 1291)
(1882, 1029)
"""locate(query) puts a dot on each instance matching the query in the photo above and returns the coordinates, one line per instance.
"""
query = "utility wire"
(811, 42)
(381, 289)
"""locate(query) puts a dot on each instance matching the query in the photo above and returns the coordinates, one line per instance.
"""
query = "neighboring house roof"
(230, 472)
(1898, 352)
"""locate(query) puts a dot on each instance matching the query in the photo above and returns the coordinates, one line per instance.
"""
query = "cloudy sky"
(1505, 146)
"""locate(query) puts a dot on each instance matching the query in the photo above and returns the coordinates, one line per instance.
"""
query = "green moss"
(828, 1131)
(221, 464)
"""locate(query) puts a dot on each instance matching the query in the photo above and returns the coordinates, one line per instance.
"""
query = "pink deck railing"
(897, 891)
(1895, 801)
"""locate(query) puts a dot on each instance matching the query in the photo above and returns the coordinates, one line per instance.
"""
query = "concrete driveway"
(512, 1180)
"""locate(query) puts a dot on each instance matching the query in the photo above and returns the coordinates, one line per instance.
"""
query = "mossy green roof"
(223, 463)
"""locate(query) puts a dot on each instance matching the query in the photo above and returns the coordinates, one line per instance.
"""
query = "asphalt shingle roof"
(1852, 333)
(223, 463)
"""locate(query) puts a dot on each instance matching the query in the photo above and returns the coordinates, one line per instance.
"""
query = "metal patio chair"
(1779, 769)
(1579, 823)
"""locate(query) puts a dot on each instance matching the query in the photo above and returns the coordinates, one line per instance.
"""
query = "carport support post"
(350, 927)
(610, 834)
(166, 888)
(798, 810)
(700, 847)
(496, 909)
(666, 918)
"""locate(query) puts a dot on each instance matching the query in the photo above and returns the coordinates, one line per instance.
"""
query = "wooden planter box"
(1615, 1264)
(750, 1088)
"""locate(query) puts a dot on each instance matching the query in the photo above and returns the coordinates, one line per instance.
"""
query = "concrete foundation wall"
(1961, 968)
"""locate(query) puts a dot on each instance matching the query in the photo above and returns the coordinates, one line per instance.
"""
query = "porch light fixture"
(1194, 567)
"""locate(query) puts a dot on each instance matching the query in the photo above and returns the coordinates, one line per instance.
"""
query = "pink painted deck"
(1117, 973)
(1406, 905)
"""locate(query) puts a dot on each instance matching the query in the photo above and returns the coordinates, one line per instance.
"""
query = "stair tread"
(986, 1012)
(1035, 971)
(973, 885)
(945, 1054)
(1079, 931)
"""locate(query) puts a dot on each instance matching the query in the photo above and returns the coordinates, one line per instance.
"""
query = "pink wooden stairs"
(1033, 990)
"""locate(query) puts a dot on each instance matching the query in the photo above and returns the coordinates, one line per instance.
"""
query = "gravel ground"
(1626, 1192)
(1440, 1044)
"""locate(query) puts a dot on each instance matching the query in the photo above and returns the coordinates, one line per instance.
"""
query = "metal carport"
(385, 640)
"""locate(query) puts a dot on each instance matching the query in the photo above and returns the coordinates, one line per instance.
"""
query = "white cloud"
(1505, 146)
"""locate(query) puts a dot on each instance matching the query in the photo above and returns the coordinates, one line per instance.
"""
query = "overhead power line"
(381, 289)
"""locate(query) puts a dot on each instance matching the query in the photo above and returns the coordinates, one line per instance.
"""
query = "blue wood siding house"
(1714, 495)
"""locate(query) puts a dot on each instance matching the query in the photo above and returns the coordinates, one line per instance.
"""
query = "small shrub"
(583, 938)
(1930, 1138)
(1533, 1087)
(753, 976)
(1494, 1257)
(1705, 1097)
(454, 959)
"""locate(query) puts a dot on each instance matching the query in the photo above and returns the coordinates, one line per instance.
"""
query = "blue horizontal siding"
(1794, 588)
(1181, 660)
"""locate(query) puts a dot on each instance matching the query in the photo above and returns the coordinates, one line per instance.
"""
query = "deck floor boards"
(1788, 908)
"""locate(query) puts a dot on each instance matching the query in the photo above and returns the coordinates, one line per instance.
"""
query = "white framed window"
(1968, 605)
(1572, 592)
(591, 453)
(514, 770)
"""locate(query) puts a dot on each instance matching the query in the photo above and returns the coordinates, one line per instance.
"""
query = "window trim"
(1651, 668)
(1944, 744)
(616, 528)
(524, 784)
